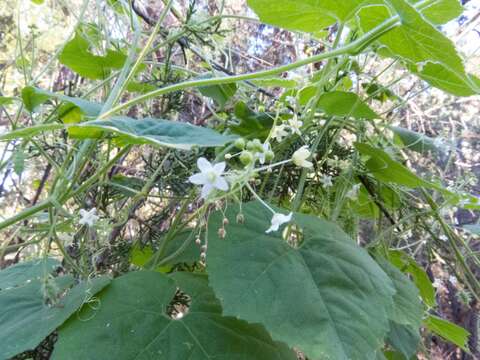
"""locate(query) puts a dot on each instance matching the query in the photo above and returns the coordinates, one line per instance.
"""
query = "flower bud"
(222, 233)
(269, 155)
(240, 218)
(240, 143)
(246, 157)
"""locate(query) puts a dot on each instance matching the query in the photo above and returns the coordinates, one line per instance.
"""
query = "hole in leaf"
(178, 307)
(293, 235)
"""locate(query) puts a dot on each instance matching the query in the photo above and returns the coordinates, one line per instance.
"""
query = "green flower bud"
(269, 155)
(246, 157)
(240, 143)
(256, 146)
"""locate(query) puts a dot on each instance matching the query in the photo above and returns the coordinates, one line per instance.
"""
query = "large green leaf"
(132, 323)
(384, 168)
(448, 331)
(304, 15)
(77, 56)
(407, 309)
(340, 103)
(25, 317)
(326, 297)
(155, 132)
(127, 130)
(20, 273)
(416, 41)
(404, 338)
(442, 11)
(441, 77)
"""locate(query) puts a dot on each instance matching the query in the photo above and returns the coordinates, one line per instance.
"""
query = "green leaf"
(5, 100)
(441, 12)
(141, 255)
(408, 265)
(448, 331)
(304, 15)
(252, 124)
(219, 93)
(407, 308)
(416, 41)
(405, 339)
(20, 273)
(132, 323)
(439, 76)
(77, 56)
(364, 206)
(31, 131)
(326, 297)
(155, 132)
(32, 99)
(27, 320)
(127, 185)
(339, 103)
(415, 141)
(38, 2)
(384, 168)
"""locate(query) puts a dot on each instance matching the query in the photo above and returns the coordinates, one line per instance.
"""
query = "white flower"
(278, 220)
(352, 194)
(437, 283)
(295, 125)
(326, 181)
(291, 100)
(210, 176)
(279, 132)
(88, 217)
(261, 155)
(300, 157)
(452, 279)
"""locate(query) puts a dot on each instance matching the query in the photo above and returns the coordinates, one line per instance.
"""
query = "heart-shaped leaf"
(327, 296)
(133, 322)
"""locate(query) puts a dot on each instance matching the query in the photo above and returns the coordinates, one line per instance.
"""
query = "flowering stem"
(259, 198)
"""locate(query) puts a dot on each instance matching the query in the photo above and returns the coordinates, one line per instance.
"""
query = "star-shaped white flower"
(210, 176)
(300, 157)
(326, 181)
(295, 125)
(352, 194)
(88, 217)
(278, 220)
(279, 132)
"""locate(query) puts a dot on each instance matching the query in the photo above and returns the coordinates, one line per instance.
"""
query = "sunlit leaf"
(448, 331)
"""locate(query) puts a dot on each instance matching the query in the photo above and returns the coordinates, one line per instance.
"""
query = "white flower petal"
(219, 168)
(203, 164)
(221, 184)
(198, 179)
(278, 220)
(206, 190)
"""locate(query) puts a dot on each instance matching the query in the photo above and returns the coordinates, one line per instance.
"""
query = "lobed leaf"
(326, 297)
(133, 322)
